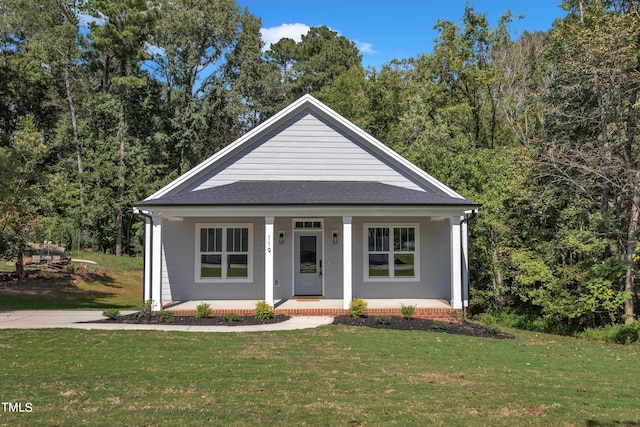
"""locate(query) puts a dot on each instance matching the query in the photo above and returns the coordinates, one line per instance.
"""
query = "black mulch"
(193, 321)
(396, 322)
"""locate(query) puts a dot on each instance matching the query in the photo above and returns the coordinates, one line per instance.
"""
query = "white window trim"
(197, 257)
(365, 252)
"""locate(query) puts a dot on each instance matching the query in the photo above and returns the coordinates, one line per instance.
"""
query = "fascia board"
(307, 211)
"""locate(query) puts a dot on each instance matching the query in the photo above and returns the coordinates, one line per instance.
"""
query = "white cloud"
(291, 31)
(295, 32)
(365, 47)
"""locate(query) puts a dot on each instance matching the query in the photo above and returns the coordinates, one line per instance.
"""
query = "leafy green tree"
(21, 168)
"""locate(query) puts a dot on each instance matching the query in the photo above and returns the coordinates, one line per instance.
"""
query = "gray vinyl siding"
(166, 286)
(180, 254)
(306, 148)
(435, 263)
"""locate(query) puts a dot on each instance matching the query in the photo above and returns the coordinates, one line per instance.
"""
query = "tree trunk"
(78, 145)
(20, 266)
(496, 278)
(632, 241)
(121, 180)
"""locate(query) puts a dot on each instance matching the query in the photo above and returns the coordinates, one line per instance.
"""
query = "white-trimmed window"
(223, 252)
(391, 252)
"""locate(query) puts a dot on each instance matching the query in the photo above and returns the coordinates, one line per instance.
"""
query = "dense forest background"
(102, 102)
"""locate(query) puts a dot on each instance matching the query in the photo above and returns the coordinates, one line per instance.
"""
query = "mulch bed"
(395, 322)
(193, 321)
(400, 323)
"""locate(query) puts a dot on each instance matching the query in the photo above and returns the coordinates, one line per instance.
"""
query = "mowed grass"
(330, 376)
(113, 282)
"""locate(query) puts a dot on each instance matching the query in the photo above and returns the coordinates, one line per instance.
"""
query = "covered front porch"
(434, 309)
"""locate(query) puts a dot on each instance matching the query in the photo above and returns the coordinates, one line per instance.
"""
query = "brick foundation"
(419, 313)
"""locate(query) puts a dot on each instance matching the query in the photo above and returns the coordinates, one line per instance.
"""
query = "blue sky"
(388, 29)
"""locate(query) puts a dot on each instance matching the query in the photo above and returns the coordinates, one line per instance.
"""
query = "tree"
(593, 119)
(120, 43)
(20, 172)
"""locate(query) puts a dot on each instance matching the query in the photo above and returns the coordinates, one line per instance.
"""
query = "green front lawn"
(112, 282)
(331, 376)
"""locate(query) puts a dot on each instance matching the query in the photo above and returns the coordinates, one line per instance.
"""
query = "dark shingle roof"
(273, 193)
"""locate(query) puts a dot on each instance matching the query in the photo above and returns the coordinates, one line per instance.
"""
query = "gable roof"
(293, 132)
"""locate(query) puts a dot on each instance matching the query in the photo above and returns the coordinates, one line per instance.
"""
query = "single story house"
(306, 204)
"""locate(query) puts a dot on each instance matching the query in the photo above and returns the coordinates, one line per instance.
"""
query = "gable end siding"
(306, 148)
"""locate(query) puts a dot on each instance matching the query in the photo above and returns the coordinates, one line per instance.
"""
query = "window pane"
(378, 239)
(404, 239)
(403, 265)
(238, 239)
(378, 265)
(203, 240)
(210, 239)
(238, 266)
(210, 265)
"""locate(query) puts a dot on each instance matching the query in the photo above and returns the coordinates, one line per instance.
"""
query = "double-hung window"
(223, 252)
(392, 252)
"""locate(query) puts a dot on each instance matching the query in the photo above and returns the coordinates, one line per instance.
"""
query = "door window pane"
(308, 257)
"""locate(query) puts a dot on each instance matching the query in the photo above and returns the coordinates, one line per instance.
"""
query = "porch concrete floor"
(309, 303)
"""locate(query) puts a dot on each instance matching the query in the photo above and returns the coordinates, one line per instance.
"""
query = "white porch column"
(156, 264)
(268, 259)
(347, 245)
(464, 234)
(456, 264)
(148, 250)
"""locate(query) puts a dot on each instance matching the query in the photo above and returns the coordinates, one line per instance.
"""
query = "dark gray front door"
(308, 263)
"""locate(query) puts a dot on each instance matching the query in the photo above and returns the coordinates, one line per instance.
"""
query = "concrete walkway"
(36, 319)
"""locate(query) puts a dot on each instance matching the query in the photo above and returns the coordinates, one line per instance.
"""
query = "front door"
(308, 263)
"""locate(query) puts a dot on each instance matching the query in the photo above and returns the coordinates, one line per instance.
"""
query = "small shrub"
(146, 310)
(111, 313)
(384, 319)
(407, 311)
(357, 308)
(203, 310)
(492, 329)
(165, 316)
(231, 317)
(264, 311)
(488, 319)
(439, 324)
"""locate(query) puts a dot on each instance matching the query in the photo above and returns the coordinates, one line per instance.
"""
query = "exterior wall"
(306, 148)
(180, 252)
(435, 264)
